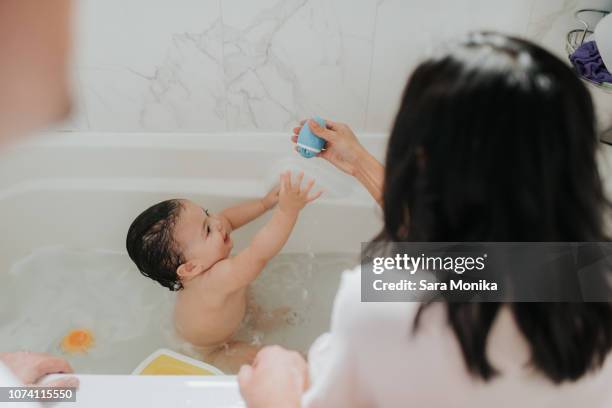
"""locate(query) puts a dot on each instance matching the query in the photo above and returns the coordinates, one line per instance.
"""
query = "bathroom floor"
(129, 316)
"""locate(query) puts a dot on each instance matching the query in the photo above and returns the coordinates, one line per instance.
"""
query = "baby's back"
(208, 319)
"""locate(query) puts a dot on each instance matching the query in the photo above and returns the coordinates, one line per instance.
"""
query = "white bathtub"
(82, 190)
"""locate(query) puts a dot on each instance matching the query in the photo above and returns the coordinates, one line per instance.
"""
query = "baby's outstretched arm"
(243, 213)
(241, 270)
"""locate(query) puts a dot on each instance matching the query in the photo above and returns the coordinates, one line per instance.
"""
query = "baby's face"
(202, 238)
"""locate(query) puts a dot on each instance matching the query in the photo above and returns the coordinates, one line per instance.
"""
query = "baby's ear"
(188, 270)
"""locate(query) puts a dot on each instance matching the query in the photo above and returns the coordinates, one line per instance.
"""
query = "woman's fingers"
(276, 379)
(244, 376)
(327, 132)
(324, 133)
(332, 125)
(324, 154)
(66, 382)
(52, 365)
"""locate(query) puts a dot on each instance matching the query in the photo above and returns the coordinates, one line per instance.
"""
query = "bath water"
(55, 290)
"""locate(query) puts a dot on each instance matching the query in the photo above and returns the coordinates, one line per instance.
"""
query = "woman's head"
(494, 141)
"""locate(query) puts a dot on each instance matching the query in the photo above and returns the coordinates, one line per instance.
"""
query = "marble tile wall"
(261, 65)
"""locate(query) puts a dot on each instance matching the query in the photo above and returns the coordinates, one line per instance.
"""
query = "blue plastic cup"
(309, 144)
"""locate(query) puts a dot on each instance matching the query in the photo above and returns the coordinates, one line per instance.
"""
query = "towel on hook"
(588, 63)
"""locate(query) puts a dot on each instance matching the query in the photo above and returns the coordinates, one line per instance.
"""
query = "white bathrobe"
(371, 358)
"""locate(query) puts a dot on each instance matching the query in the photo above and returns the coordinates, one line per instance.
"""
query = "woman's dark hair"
(496, 141)
(151, 246)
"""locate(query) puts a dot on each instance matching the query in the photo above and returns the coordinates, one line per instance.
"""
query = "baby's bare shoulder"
(202, 295)
(220, 277)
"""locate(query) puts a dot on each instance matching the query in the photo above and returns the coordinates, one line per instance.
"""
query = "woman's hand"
(277, 379)
(343, 150)
(30, 367)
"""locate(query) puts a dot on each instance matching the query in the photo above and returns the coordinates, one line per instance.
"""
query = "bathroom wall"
(261, 65)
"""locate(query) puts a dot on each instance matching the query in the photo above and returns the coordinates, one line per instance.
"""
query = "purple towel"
(588, 63)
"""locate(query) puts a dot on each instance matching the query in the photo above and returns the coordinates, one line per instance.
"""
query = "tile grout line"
(530, 19)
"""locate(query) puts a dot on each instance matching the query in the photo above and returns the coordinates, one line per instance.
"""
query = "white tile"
(550, 22)
(209, 65)
(151, 64)
(407, 32)
(286, 60)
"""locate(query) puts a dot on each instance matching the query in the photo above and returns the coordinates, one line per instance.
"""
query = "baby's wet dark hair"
(150, 243)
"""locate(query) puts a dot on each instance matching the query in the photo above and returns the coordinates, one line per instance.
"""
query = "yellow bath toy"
(167, 362)
(77, 341)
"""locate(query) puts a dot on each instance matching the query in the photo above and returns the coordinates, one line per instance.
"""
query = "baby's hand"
(292, 197)
(271, 199)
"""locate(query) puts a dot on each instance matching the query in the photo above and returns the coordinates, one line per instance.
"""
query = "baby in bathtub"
(187, 249)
